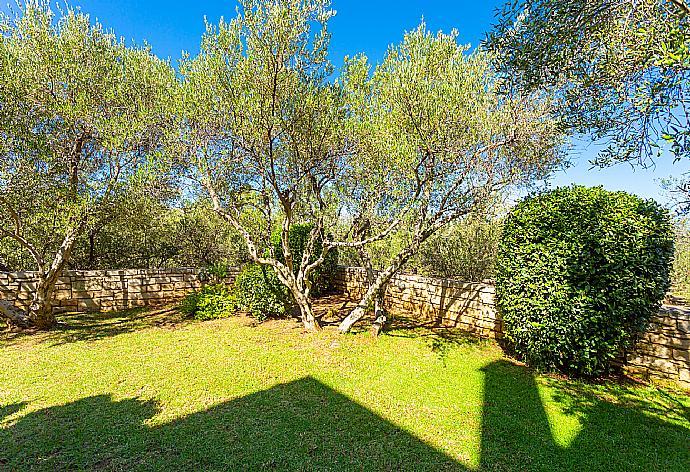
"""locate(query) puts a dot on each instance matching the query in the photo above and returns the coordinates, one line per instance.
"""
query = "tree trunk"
(355, 315)
(301, 296)
(381, 317)
(373, 290)
(308, 319)
(41, 308)
(40, 313)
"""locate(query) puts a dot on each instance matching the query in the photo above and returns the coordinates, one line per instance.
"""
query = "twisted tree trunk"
(41, 308)
(307, 313)
(380, 314)
(39, 315)
(40, 312)
(374, 289)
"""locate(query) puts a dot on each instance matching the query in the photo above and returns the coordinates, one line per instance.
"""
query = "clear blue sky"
(359, 26)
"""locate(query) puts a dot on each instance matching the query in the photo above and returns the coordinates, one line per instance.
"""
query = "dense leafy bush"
(211, 302)
(322, 277)
(259, 291)
(579, 273)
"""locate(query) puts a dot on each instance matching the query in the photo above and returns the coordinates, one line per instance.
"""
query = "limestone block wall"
(662, 352)
(105, 290)
(468, 306)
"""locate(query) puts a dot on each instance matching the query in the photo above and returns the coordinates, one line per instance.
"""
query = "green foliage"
(218, 271)
(202, 238)
(142, 231)
(436, 141)
(215, 299)
(138, 230)
(621, 69)
(211, 302)
(465, 251)
(82, 120)
(263, 122)
(322, 277)
(681, 260)
(260, 292)
(579, 273)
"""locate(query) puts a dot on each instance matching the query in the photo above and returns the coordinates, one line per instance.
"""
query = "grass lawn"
(145, 390)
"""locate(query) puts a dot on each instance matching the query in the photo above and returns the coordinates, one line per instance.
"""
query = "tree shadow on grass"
(302, 425)
(77, 326)
(439, 338)
(305, 425)
(614, 434)
(11, 409)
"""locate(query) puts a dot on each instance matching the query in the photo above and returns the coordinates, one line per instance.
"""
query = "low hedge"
(211, 302)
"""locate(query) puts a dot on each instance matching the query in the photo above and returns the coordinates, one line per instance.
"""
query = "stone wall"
(468, 306)
(662, 353)
(105, 290)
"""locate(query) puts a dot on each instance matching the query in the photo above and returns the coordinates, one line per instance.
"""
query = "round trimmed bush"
(579, 273)
(259, 292)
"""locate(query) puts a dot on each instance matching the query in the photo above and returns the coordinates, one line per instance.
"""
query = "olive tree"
(620, 69)
(80, 115)
(440, 138)
(261, 131)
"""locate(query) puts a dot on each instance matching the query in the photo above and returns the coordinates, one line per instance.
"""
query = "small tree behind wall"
(80, 113)
(439, 137)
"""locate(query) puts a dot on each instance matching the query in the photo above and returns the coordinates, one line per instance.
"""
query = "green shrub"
(322, 277)
(579, 272)
(211, 302)
(259, 291)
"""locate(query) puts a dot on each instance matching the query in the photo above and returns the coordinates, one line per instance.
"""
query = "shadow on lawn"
(440, 339)
(305, 425)
(10, 409)
(619, 433)
(79, 326)
(302, 425)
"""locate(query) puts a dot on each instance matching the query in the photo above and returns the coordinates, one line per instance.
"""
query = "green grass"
(147, 391)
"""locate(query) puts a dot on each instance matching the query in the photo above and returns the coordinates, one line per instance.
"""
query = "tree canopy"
(438, 140)
(261, 126)
(620, 69)
(80, 115)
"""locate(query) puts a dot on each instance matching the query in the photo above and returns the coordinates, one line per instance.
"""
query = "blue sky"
(359, 26)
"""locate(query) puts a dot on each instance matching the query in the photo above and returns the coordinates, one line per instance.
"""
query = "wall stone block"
(105, 290)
